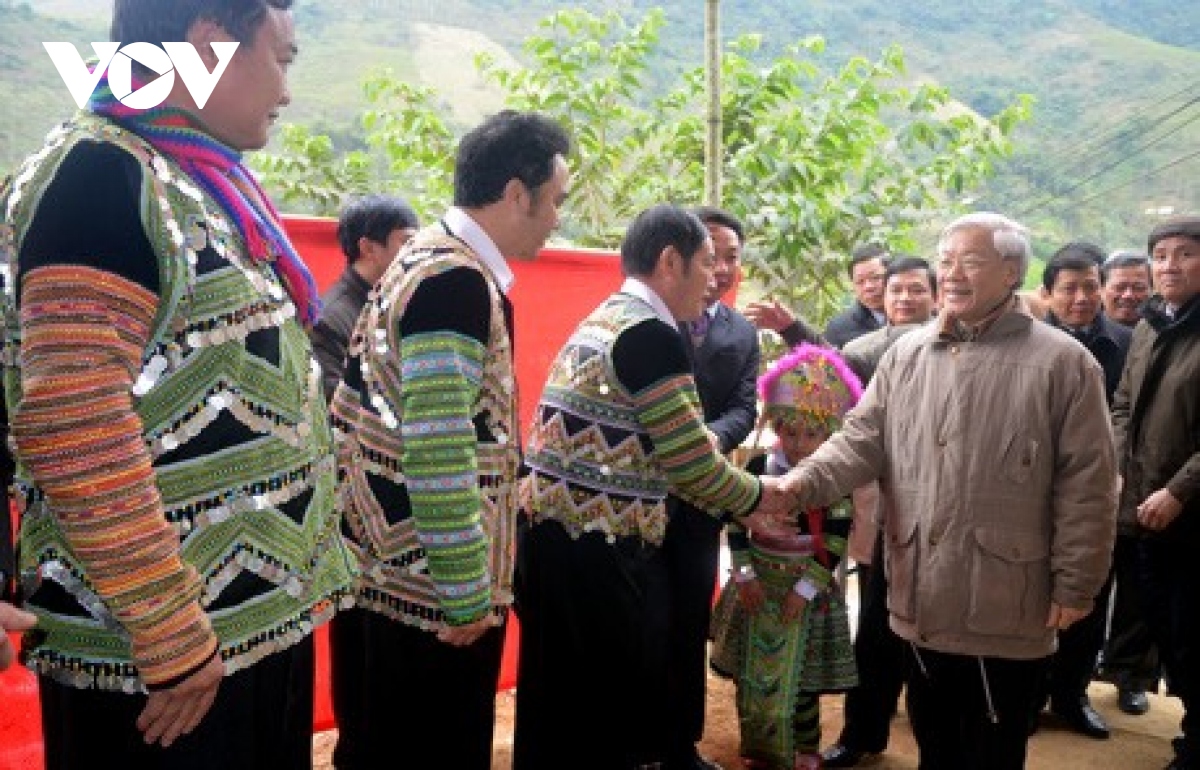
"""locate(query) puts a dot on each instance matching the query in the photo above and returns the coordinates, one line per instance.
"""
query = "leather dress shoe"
(841, 755)
(1132, 702)
(1082, 718)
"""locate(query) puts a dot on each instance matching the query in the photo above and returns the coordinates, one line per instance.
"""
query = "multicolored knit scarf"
(219, 170)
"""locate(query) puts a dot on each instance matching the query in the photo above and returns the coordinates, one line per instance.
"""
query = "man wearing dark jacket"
(725, 355)
(1073, 290)
(371, 232)
(867, 266)
(1156, 425)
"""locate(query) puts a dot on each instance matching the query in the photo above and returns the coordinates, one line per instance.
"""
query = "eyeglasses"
(867, 280)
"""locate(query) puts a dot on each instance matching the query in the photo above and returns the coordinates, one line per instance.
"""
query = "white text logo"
(178, 57)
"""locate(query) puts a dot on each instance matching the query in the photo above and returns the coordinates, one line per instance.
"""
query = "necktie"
(699, 327)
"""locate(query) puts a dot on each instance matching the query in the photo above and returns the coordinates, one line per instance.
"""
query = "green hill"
(1117, 83)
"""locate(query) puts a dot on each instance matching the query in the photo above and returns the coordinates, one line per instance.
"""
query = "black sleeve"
(648, 353)
(800, 331)
(90, 215)
(329, 348)
(839, 331)
(740, 411)
(454, 301)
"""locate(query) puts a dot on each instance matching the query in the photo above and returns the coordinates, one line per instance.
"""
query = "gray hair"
(1010, 237)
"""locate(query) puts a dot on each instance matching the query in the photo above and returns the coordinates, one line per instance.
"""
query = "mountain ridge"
(1103, 76)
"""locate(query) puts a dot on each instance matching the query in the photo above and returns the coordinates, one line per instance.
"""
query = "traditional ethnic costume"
(782, 668)
(175, 466)
(429, 452)
(617, 427)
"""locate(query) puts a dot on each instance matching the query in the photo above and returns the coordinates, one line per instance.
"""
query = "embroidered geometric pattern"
(603, 459)
(174, 456)
(406, 431)
(779, 665)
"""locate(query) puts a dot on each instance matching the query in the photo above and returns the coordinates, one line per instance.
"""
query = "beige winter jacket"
(995, 458)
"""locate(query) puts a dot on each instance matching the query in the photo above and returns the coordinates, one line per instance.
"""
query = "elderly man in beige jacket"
(990, 435)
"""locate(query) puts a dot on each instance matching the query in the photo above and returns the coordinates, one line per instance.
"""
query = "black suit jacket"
(726, 371)
(853, 322)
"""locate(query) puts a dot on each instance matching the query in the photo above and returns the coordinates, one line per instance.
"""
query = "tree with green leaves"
(818, 159)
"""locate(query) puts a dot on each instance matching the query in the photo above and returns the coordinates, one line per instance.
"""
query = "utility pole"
(712, 145)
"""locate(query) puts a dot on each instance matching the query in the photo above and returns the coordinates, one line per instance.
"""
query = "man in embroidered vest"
(618, 427)
(178, 540)
(430, 451)
(371, 231)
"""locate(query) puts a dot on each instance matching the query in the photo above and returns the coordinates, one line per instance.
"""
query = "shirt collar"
(635, 287)
(951, 329)
(713, 309)
(462, 226)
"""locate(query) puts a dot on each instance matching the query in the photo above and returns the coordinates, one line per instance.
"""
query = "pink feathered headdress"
(812, 384)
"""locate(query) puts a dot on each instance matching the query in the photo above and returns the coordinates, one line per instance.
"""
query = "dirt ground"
(1137, 743)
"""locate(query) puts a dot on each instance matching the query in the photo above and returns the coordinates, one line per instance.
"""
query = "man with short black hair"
(1071, 280)
(371, 231)
(723, 347)
(178, 530)
(430, 453)
(868, 264)
(618, 427)
(868, 273)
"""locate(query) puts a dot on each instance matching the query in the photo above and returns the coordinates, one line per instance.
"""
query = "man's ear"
(365, 247)
(202, 34)
(670, 260)
(515, 191)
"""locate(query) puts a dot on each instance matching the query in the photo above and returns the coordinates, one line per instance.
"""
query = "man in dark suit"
(725, 355)
(867, 266)
(1073, 286)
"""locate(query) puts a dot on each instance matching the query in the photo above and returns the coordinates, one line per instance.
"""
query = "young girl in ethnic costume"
(781, 628)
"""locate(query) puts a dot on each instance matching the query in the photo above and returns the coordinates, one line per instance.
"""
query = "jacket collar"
(1009, 317)
(1155, 313)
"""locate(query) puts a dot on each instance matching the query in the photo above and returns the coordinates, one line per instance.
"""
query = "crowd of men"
(209, 465)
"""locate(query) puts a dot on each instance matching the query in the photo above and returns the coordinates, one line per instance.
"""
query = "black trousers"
(952, 715)
(347, 672)
(692, 550)
(1170, 588)
(1071, 668)
(416, 689)
(882, 660)
(1130, 658)
(591, 682)
(262, 718)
